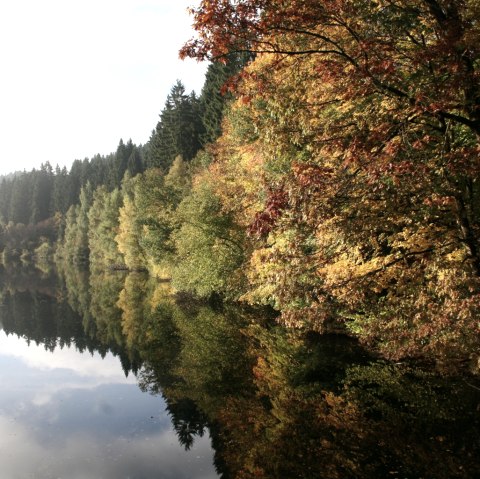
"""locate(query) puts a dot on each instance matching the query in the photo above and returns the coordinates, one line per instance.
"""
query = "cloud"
(44, 374)
(65, 415)
(81, 364)
(83, 456)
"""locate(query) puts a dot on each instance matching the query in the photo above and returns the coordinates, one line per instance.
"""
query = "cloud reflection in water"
(73, 415)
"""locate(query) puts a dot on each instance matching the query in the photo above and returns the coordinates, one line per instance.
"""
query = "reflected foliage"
(276, 403)
(35, 307)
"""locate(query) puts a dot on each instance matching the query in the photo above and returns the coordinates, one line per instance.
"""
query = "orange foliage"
(365, 120)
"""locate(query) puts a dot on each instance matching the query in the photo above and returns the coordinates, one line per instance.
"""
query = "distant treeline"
(187, 123)
(34, 204)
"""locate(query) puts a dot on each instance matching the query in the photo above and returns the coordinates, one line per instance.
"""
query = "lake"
(66, 414)
(112, 376)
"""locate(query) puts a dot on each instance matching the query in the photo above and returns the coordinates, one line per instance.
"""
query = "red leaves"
(266, 220)
(312, 176)
(464, 161)
(369, 120)
(223, 26)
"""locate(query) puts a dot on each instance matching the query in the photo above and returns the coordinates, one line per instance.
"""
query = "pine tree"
(20, 211)
(40, 202)
(135, 162)
(60, 197)
(178, 131)
(215, 94)
(5, 199)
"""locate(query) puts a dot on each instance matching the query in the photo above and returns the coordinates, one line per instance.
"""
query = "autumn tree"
(217, 93)
(103, 221)
(155, 220)
(368, 119)
(130, 228)
(208, 244)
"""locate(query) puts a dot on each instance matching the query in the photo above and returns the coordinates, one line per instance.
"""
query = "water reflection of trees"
(276, 404)
(352, 417)
(55, 311)
(30, 309)
(280, 405)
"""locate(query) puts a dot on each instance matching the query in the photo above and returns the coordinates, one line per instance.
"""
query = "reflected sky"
(74, 415)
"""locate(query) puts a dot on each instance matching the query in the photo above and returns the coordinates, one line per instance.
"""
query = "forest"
(328, 170)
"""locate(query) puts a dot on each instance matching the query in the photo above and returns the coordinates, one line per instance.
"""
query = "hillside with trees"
(328, 169)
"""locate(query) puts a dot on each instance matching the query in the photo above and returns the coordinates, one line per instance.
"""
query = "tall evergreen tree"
(76, 178)
(119, 164)
(215, 94)
(98, 171)
(40, 202)
(5, 198)
(62, 195)
(135, 162)
(178, 131)
(19, 211)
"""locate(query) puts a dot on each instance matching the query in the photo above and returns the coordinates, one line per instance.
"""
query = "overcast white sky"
(78, 75)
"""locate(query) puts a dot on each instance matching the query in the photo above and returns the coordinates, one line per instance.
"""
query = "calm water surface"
(110, 376)
(66, 414)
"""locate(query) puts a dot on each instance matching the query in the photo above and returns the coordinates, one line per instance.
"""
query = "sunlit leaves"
(208, 244)
(103, 222)
(366, 117)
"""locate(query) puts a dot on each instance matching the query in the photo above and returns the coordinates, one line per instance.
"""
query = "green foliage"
(35, 196)
(340, 185)
(74, 248)
(44, 252)
(17, 237)
(20, 199)
(215, 94)
(155, 218)
(129, 234)
(105, 289)
(103, 224)
(68, 246)
(177, 181)
(365, 138)
(62, 194)
(178, 131)
(260, 390)
(40, 203)
(209, 247)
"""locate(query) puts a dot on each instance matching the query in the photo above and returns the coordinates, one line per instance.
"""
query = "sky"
(76, 76)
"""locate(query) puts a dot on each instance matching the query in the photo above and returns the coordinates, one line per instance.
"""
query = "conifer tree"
(178, 131)
(135, 162)
(215, 94)
(19, 210)
(40, 201)
(61, 196)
